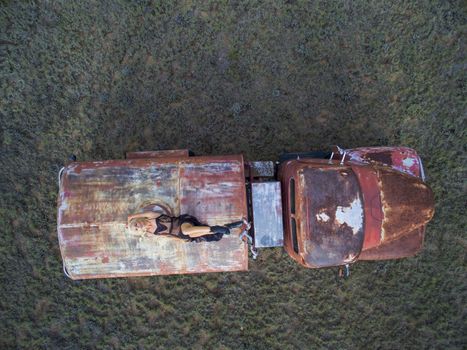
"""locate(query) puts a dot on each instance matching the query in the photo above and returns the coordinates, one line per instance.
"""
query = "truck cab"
(336, 212)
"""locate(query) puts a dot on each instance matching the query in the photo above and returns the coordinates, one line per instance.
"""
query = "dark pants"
(194, 221)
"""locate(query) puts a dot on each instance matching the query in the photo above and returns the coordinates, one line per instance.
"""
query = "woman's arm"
(146, 214)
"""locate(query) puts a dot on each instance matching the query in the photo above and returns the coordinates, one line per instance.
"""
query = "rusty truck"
(324, 208)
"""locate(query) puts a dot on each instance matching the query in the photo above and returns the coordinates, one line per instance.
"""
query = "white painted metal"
(267, 214)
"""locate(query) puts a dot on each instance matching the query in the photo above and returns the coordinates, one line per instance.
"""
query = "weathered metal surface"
(329, 212)
(369, 183)
(96, 198)
(262, 169)
(396, 208)
(159, 154)
(407, 204)
(333, 206)
(215, 192)
(402, 159)
(267, 214)
(405, 246)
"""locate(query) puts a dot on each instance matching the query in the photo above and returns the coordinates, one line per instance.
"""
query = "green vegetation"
(98, 79)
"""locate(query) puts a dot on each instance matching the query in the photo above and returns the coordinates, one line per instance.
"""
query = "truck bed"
(95, 199)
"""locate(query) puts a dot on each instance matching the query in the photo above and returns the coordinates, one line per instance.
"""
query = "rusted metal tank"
(95, 199)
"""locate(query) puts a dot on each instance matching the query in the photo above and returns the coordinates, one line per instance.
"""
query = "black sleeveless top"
(172, 226)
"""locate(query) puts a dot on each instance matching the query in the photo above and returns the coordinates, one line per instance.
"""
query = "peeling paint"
(408, 162)
(322, 217)
(351, 215)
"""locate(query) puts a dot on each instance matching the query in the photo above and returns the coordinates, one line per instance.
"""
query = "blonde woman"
(156, 219)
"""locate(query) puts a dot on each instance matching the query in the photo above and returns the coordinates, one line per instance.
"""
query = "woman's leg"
(195, 231)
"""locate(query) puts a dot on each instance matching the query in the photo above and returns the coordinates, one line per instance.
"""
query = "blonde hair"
(145, 209)
(135, 221)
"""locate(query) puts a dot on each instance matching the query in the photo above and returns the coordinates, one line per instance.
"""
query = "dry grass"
(97, 79)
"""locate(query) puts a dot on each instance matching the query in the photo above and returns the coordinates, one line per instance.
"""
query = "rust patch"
(407, 202)
(383, 157)
(369, 185)
(407, 245)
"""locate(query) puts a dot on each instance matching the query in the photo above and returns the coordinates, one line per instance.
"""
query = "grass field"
(97, 79)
